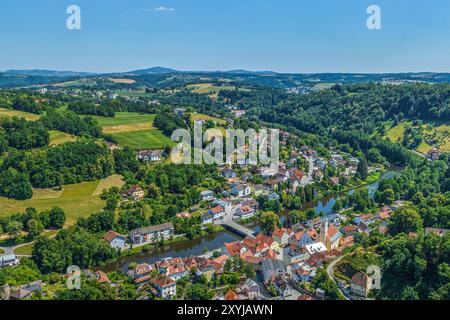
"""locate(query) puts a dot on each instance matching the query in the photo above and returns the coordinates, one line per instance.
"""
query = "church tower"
(324, 232)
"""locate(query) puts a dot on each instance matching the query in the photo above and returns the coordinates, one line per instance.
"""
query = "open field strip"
(8, 113)
(77, 200)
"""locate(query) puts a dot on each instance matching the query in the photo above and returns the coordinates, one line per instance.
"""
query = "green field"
(134, 130)
(58, 137)
(395, 134)
(77, 200)
(8, 113)
(143, 139)
(211, 89)
(200, 116)
(125, 118)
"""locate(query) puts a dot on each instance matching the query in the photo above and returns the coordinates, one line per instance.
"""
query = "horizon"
(296, 37)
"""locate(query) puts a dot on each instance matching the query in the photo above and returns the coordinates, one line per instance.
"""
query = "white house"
(115, 240)
(245, 212)
(8, 260)
(207, 195)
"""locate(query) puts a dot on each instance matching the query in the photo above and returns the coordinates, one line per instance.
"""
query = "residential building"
(150, 155)
(207, 218)
(8, 260)
(228, 173)
(245, 212)
(152, 234)
(240, 190)
(135, 192)
(272, 268)
(360, 284)
(115, 240)
(217, 212)
(165, 286)
(294, 253)
(281, 235)
(141, 273)
(207, 195)
(26, 290)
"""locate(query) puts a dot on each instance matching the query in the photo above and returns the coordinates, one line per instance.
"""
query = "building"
(26, 290)
(272, 268)
(245, 212)
(152, 234)
(207, 218)
(134, 192)
(281, 235)
(304, 237)
(433, 154)
(282, 287)
(217, 212)
(150, 155)
(207, 195)
(293, 254)
(115, 240)
(240, 190)
(141, 273)
(360, 284)
(317, 247)
(165, 286)
(228, 173)
(329, 235)
(8, 260)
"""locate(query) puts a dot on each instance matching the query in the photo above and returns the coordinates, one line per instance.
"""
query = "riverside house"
(152, 234)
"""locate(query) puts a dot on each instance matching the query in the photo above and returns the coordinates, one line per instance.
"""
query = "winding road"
(330, 272)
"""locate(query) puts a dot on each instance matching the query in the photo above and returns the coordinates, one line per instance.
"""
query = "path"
(330, 272)
(310, 170)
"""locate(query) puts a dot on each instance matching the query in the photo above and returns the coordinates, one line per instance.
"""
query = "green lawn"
(143, 139)
(58, 137)
(125, 118)
(134, 130)
(201, 116)
(77, 200)
(8, 113)
(396, 133)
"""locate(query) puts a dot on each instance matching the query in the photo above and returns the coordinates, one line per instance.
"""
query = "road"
(10, 250)
(330, 272)
(310, 170)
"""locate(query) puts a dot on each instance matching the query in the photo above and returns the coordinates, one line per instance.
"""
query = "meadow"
(134, 130)
(77, 200)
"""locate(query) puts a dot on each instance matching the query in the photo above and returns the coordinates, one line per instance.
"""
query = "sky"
(292, 36)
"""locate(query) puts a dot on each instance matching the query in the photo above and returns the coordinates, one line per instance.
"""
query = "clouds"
(162, 9)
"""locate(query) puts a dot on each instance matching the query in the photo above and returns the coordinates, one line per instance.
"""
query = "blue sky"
(282, 35)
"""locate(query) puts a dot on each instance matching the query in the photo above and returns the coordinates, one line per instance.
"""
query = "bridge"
(236, 228)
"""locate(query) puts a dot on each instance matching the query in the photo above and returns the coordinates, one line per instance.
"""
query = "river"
(183, 249)
(215, 241)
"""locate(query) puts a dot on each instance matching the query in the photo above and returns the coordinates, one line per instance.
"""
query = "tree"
(35, 228)
(269, 221)
(405, 220)
(57, 218)
(14, 228)
(16, 185)
(362, 168)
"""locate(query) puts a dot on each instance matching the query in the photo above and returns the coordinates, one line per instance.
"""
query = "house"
(238, 113)
(240, 190)
(115, 240)
(101, 277)
(349, 230)
(301, 275)
(281, 235)
(207, 195)
(205, 266)
(293, 254)
(245, 212)
(259, 190)
(335, 180)
(271, 243)
(231, 295)
(135, 192)
(184, 215)
(251, 289)
(207, 218)
(360, 284)
(179, 111)
(252, 203)
(165, 286)
(365, 219)
(174, 268)
(272, 268)
(26, 290)
(304, 237)
(152, 234)
(224, 203)
(8, 260)
(228, 173)
(384, 213)
(282, 287)
(217, 212)
(433, 154)
(235, 248)
(141, 273)
(150, 155)
(245, 176)
(273, 196)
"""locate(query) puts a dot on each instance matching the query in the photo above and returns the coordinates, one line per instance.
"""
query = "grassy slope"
(78, 200)
(134, 130)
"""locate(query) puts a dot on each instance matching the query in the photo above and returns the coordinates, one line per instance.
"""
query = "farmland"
(211, 89)
(134, 130)
(77, 200)
(8, 113)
